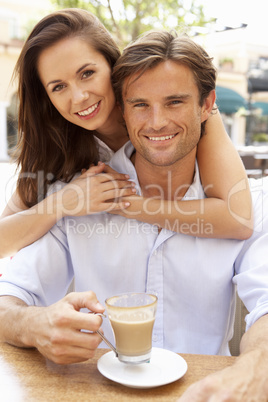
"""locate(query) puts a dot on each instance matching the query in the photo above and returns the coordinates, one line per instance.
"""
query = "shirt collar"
(121, 162)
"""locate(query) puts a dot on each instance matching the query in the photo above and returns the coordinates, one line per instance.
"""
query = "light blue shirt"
(193, 277)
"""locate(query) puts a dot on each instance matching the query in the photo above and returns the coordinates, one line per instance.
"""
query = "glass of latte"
(132, 317)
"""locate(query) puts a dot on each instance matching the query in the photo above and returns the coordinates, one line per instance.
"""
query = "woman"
(69, 120)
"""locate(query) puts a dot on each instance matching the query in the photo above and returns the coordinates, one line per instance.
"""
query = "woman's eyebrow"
(84, 66)
(77, 72)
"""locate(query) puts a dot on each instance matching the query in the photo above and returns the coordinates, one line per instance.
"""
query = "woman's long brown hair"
(49, 147)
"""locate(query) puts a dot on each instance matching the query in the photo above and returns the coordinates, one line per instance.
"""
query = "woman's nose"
(79, 95)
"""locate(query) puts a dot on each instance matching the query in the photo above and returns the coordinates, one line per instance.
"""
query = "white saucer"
(165, 367)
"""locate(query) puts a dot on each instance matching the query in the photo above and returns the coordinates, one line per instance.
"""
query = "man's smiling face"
(162, 113)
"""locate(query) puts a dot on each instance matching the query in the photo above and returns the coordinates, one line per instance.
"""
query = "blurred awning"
(228, 100)
(261, 105)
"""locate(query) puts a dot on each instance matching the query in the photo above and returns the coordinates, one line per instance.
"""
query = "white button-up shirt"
(194, 278)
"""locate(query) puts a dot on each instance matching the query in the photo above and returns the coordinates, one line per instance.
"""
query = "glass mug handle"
(108, 343)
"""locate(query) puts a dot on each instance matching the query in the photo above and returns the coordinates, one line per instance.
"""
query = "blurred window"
(9, 25)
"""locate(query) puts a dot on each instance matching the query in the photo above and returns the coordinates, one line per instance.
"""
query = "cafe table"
(26, 376)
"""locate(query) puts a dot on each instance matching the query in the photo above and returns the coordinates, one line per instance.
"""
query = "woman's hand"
(98, 189)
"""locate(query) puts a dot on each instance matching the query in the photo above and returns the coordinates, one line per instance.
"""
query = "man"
(165, 99)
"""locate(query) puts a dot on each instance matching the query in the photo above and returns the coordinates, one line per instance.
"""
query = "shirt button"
(155, 338)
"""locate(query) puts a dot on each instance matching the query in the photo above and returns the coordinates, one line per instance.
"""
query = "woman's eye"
(57, 88)
(87, 73)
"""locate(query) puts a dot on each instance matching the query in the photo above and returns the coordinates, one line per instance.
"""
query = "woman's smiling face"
(77, 79)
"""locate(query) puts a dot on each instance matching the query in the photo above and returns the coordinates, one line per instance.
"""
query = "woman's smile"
(89, 112)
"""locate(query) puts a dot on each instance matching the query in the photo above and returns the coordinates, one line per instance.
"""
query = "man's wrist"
(27, 318)
(16, 325)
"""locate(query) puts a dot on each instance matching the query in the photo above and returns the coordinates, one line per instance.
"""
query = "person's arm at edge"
(254, 347)
(224, 214)
(246, 380)
(20, 226)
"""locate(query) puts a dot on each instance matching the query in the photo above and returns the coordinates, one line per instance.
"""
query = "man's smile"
(162, 137)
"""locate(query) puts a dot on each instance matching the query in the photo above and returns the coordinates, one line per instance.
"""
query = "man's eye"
(176, 102)
(140, 105)
(87, 73)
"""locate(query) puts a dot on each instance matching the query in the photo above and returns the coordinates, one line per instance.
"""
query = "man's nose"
(158, 118)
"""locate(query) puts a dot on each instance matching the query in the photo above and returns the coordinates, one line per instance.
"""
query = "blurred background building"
(16, 19)
(242, 83)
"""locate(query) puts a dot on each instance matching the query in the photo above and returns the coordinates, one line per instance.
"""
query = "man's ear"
(208, 105)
